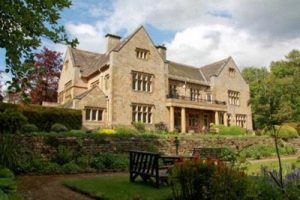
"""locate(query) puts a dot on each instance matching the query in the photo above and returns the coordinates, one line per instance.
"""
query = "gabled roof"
(84, 94)
(185, 72)
(119, 46)
(88, 62)
(214, 69)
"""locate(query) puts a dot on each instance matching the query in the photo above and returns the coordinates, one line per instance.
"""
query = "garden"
(48, 141)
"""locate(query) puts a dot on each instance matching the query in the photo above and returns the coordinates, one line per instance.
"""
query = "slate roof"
(82, 95)
(88, 62)
(214, 69)
(190, 73)
(185, 72)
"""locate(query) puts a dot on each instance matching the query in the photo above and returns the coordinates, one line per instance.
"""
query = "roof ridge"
(119, 46)
(73, 49)
(190, 66)
(213, 63)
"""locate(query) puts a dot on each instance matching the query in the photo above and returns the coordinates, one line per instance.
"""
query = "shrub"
(77, 132)
(261, 150)
(106, 131)
(52, 167)
(11, 122)
(232, 130)
(29, 128)
(64, 155)
(207, 179)
(287, 132)
(44, 117)
(7, 183)
(70, 167)
(6, 173)
(83, 161)
(161, 127)
(10, 152)
(57, 127)
(126, 131)
(110, 161)
(139, 126)
(37, 164)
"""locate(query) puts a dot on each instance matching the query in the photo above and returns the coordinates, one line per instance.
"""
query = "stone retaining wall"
(47, 146)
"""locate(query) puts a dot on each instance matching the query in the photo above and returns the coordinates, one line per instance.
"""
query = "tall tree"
(257, 78)
(45, 75)
(23, 24)
(275, 96)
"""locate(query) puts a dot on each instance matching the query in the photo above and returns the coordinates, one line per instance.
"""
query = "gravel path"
(50, 187)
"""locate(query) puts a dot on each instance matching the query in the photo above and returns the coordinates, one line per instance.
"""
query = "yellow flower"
(106, 131)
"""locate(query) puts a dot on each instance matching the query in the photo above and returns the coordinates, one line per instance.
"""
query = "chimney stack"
(162, 50)
(112, 41)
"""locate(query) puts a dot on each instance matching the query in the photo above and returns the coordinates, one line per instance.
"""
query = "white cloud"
(90, 37)
(253, 32)
(205, 44)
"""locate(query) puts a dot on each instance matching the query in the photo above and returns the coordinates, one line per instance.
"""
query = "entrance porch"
(191, 120)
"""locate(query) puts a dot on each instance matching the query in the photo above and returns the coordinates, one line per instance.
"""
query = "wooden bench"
(204, 152)
(146, 165)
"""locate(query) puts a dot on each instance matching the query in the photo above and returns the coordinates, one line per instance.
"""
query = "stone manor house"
(133, 81)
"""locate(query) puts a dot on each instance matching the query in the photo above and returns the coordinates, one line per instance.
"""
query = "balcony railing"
(186, 98)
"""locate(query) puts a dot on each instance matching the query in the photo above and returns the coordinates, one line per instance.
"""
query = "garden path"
(50, 187)
(274, 159)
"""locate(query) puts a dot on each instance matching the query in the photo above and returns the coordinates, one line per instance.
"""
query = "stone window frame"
(143, 54)
(234, 97)
(142, 81)
(193, 119)
(142, 113)
(209, 97)
(195, 94)
(240, 120)
(173, 90)
(94, 114)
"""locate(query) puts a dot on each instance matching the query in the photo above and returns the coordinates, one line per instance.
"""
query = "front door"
(194, 122)
(177, 121)
(206, 121)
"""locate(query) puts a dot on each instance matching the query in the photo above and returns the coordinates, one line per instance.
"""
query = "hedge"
(45, 117)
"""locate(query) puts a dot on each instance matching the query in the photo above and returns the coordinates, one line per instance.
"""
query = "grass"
(288, 165)
(118, 187)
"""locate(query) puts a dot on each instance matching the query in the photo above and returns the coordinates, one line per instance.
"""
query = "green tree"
(23, 25)
(275, 95)
(257, 78)
(285, 80)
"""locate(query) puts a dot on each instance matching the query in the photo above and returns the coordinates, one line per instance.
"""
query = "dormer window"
(142, 53)
(231, 72)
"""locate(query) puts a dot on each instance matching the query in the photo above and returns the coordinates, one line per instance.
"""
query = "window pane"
(100, 112)
(87, 114)
(149, 118)
(94, 113)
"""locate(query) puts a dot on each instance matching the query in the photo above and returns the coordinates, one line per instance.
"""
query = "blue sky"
(195, 32)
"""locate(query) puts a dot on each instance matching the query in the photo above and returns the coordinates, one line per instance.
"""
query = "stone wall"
(46, 146)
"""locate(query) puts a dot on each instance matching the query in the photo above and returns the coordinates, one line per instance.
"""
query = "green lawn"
(288, 165)
(118, 187)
